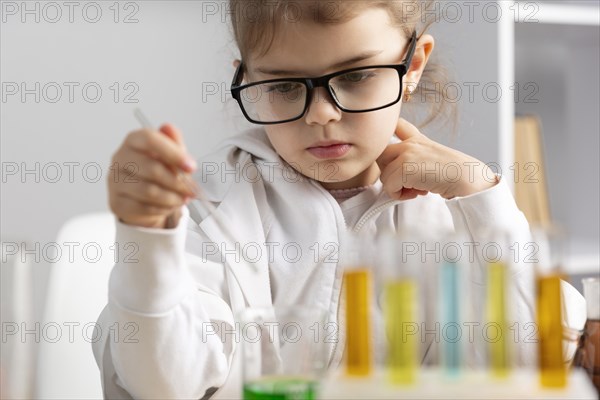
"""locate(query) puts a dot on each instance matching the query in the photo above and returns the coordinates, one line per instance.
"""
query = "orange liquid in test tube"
(552, 367)
(358, 286)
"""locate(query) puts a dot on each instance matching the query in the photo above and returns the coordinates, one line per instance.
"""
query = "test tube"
(357, 284)
(552, 367)
(358, 287)
(454, 304)
(401, 310)
(450, 315)
(497, 285)
(553, 371)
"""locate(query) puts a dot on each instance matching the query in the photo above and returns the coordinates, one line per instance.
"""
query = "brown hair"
(256, 22)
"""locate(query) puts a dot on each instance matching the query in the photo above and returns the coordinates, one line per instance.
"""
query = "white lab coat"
(179, 281)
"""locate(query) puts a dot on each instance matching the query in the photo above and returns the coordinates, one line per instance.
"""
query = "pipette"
(145, 122)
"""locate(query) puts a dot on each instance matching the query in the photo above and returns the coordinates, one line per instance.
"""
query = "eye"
(356, 77)
(284, 87)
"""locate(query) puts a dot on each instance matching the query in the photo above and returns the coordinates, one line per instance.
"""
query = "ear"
(423, 50)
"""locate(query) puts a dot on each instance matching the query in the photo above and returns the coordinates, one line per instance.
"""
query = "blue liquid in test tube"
(450, 315)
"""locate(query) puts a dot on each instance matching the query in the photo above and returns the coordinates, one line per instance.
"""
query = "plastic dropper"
(145, 122)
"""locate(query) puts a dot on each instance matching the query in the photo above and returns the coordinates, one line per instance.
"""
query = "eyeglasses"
(353, 90)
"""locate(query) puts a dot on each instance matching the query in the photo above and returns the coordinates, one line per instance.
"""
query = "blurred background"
(526, 76)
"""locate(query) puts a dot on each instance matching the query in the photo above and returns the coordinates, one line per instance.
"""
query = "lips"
(330, 149)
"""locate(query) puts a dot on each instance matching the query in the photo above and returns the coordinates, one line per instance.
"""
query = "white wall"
(170, 59)
(174, 62)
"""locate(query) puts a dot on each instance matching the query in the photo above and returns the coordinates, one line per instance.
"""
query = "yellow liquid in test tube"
(402, 330)
(358, 285)
(549, 319)
(496, 304)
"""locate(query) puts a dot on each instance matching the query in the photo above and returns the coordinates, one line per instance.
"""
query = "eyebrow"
(360, 57)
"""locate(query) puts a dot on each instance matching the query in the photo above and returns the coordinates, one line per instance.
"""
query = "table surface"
(433, 384)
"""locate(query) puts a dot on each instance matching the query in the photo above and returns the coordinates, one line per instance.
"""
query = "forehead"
(311, 48)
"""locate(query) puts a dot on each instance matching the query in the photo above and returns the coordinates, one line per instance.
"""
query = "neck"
(365, 178)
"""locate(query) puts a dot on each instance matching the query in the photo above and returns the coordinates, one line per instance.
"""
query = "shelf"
(567, 14)
(585, 264)
(562, 62)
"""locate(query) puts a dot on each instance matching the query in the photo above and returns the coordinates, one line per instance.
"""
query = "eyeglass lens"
(358, 90)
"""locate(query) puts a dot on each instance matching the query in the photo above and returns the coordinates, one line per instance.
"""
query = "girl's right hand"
(144, 188)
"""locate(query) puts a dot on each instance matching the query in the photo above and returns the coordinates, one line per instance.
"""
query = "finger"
(182, 180)
(391, 152)
(133, 208)
(397, 177)
(394, 169)
(160, 146)
(408, 194)
(172, 132)
(405, 130)
(185, 180)
(142, 167)
(153, 194)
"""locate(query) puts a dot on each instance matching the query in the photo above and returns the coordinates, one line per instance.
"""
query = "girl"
(330, 154)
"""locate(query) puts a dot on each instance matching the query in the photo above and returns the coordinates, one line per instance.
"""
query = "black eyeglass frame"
(321, 81)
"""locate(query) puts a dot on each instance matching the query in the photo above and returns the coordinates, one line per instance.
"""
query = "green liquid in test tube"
(496, 310)
(402, 330)
(280, 389)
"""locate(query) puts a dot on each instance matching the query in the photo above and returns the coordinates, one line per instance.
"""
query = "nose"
(321, 108)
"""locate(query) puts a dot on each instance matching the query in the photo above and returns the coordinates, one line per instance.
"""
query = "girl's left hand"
(418, 165)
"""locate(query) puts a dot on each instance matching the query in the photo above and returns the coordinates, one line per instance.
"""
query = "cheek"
(376, 128)
(283, 141)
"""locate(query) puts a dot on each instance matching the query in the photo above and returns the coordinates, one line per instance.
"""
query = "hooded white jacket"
(188, 277)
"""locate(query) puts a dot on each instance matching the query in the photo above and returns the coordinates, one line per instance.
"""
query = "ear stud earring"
(408, 93)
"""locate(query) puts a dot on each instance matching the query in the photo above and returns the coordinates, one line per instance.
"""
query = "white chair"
(77, 292)
(17, 358)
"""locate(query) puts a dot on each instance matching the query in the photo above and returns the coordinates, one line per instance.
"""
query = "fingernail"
(192, 188)
(190, 164)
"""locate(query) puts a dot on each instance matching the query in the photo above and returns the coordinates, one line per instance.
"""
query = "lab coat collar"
(252, 273)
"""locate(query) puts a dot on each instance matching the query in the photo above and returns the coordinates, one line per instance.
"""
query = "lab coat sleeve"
(163, 330)
(496, 209)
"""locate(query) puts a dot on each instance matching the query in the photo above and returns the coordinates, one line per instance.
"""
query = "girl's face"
(306, 49)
